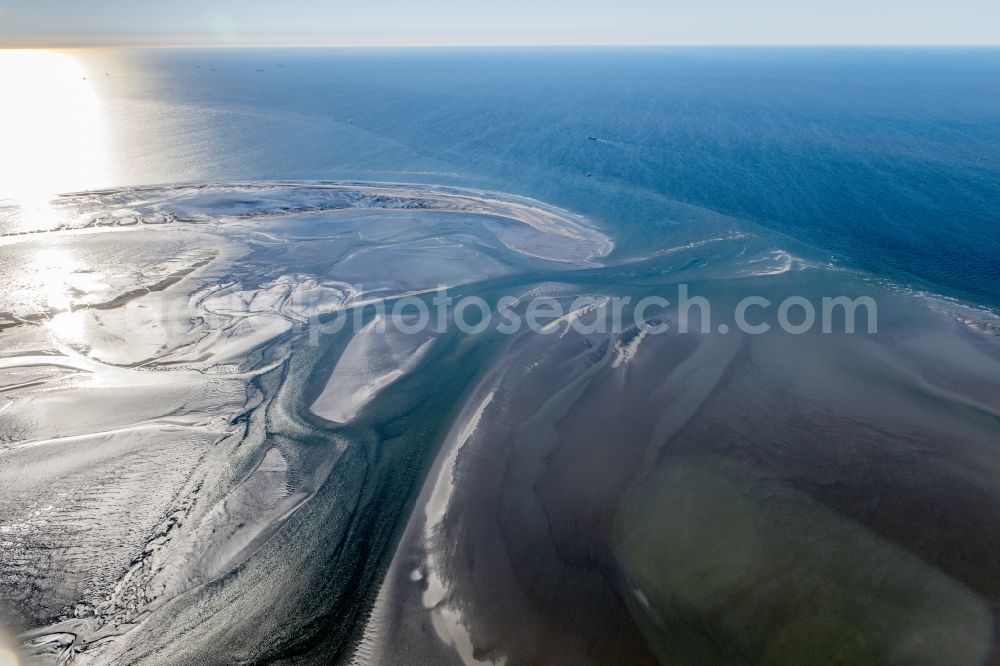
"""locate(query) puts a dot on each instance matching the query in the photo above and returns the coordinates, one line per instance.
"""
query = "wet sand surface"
(160, 460)
(196, 469)
(710, 501)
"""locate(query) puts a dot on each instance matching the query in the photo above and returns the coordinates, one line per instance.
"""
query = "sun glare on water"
(52, 131)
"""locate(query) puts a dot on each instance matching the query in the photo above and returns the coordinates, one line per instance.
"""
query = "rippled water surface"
(199, 466)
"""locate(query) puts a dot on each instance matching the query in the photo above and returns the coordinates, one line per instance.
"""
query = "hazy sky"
(76, 22)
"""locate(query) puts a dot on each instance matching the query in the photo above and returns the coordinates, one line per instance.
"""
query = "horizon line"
(76, 44)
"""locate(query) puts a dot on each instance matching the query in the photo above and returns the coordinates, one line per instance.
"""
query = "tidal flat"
(198, 467)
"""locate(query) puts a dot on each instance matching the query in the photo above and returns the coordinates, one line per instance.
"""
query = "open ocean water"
(888, 158)
(197, 466)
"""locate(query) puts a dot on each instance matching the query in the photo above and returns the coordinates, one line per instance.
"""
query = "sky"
(29, 23)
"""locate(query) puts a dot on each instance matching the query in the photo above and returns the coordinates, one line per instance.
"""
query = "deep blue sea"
(888, 158)
(196, 461)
